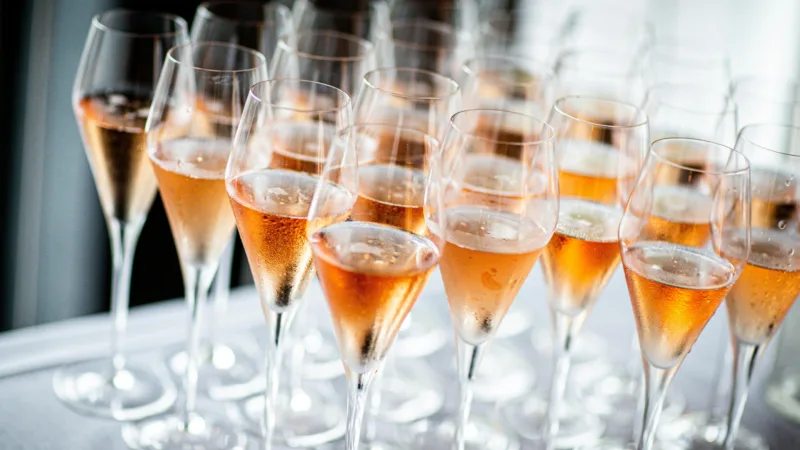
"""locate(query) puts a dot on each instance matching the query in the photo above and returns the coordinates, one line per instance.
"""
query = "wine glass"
(676, 285)
(687, 110)
(497, 226)
(190, 130)
(283, 137)
(534, 30)
(603, 25)
(610, 74)
(599, 149)
(677, 62)
(767, 100)
(461, 15)
(373, 267)
(111, 97)
(424, 44)
(324, 56)
(366, 22)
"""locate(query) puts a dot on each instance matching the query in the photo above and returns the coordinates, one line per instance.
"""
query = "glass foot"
(694, 432)
(133, 394)
(409, 391)
(230, 371)
(502, 375)
(588, 346)
(202, 433)
(480, 435)
(313, 416)
(420, 335)
(576, 425)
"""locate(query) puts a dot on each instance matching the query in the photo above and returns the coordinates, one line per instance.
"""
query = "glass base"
(420, 335)
(409, 392)
(133, 394)
(480, 435)
(321, 360)
(229, 371)
(693, 432)
(576, 425)
(502, 375)
(313, 417)
(202, 433)
(514, 324)
(589, 346)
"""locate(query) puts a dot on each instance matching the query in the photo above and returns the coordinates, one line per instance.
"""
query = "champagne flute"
(767, 100)
(373, 267)
(610, 74)
(599, 148)
(675, 285)
(424, 44)
(365, 23)
(285, 130)
(497, 226)
(111, 98)
(325, 56)
(770, 283)
(190, 129)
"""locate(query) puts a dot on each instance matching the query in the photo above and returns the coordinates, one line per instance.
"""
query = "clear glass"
(460, 15)
(689, 192)
(770, 282)
(190, 129)
(424, 44)
(604, 25)
(532, 30)
(677, 62)
(373, 267)
(280, 146)
(367, 22)
(767, 100)
(608, 74)
(693, 111)
(600, 146)
(501, 208)
(111, 101)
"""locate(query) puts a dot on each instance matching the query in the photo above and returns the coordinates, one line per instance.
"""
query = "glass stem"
(356, 401)
(222, 289)
(468, 358)
(123, 245)
(197, 282)
(277, 325)
(657, 381)
(744, 361)
(565, 329)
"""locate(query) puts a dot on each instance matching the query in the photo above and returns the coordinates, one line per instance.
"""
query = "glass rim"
(664, 160)
(361, 125)
(763, 94)
(767, 125)
(729, 105)
(441, 28)
(363, 43)
(182, 26)
(239, 48)
(704, 56)
(558, 106)
(204, 10)
(540, 67)
(433, 75)
(573, 52)
(551, 131)
(255, 88)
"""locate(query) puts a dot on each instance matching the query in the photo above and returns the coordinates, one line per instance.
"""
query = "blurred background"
(54, 251)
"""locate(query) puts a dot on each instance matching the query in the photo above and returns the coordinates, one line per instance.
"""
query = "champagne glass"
(497, 226)
(111, 97)
(677, 62)
(770, 283)
(285, 130)
(767, 100)
(677, 285)
(190, 130)
(366, 22)
(599, 148)
(424, 44)
(373, 267)
(325, 56)
(610, 74)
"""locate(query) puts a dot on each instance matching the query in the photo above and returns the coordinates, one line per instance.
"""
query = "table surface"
(32, 418)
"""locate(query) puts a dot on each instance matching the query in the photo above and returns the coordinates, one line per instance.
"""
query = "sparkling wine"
(495, 181)
(112, 127)
(768, 286)
(371, 275)
(191, 179)
(674, 290)
(486, 257)
(774, 199)
(594, 171)
(391, 195)
(582, 254)
(680, 215)
(405, 147)
(271, 209)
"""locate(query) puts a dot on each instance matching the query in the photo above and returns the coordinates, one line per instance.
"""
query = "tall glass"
(599, 149)
(325, 56)
(424, 44)
(676, 285)
(770, 282)
(200, 95)
(111, 98)
(767, 100)
(609, 74)
(497, 227)
(373, 267)
(286, 129)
